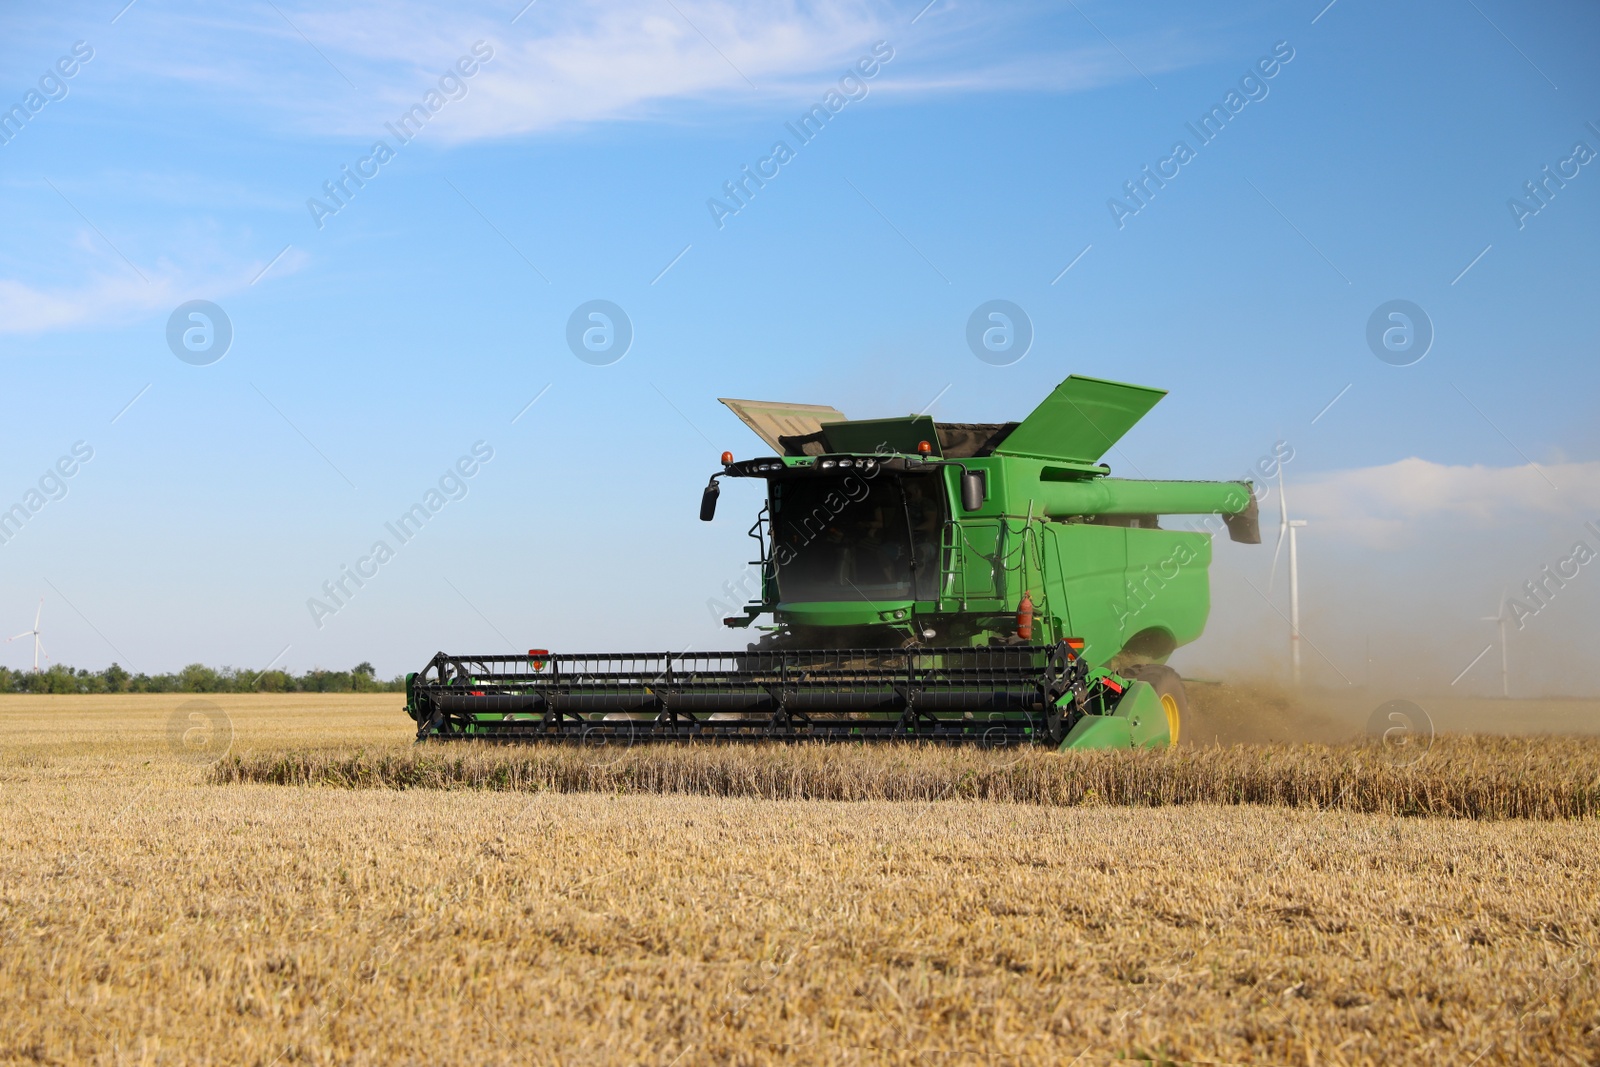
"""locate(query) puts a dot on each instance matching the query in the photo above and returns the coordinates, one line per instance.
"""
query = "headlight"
(827, 464)
(847, 463)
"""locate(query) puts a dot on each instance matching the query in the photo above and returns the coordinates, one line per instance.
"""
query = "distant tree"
(273, 682)
(116, 679)
(161, 683)
(54, 679)
(363, 678)
(197, 678)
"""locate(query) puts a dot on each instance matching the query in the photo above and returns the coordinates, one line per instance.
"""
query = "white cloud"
(1389, 506)
(116, 299)
(621, 60)
(565, 64)
(27, 309)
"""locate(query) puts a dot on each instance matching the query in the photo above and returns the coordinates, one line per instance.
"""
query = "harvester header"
(951, 581)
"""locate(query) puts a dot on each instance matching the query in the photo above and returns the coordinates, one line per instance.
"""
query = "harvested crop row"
(1462, 777)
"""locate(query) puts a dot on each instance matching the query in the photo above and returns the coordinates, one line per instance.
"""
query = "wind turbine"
(38, 646)
(1287, 528)
(1502, 617)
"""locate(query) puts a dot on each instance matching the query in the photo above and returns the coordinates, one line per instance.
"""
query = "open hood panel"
(771, 420)
(1080, 420)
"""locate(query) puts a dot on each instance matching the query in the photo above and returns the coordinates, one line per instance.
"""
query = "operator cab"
(846, 536)
(853, 547)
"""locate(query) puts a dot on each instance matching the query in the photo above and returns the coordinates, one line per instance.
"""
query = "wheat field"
(157, 908)
(1465, 777)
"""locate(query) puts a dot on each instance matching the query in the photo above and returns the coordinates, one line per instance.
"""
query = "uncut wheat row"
(1462, 777)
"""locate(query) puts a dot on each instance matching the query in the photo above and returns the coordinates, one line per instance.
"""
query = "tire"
(1182, 727)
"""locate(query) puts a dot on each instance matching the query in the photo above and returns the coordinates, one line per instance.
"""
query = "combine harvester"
(953, 582)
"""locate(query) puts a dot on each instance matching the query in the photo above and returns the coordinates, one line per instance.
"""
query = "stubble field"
(159, 909)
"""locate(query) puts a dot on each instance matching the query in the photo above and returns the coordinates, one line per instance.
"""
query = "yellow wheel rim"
(1169, 704)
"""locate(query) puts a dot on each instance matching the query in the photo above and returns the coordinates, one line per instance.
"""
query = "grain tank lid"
(773, 421)
(1080, 420)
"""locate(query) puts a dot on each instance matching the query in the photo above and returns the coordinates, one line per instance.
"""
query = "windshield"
(852, 538)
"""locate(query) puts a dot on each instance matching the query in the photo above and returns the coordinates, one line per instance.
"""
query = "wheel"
(1168, 685)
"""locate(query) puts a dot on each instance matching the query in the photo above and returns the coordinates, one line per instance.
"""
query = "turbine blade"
(25, 633)
(1273, 577)
(38, 613)
(1283, 529)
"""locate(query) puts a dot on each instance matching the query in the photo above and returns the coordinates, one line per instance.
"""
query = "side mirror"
(708, 501)
(974, 489)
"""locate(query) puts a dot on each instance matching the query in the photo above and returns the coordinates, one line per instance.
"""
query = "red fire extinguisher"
(1025, 617)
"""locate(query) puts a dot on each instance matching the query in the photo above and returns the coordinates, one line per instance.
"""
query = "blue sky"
(978, 162)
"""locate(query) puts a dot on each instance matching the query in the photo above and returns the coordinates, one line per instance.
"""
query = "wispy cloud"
(112, 299)
(562, 65)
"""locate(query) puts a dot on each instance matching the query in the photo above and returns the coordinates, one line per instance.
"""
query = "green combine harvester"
(954, 582)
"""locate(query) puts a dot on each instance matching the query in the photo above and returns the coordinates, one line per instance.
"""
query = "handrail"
(954, 545)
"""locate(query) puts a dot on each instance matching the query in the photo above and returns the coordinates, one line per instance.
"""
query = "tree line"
(197, 678)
